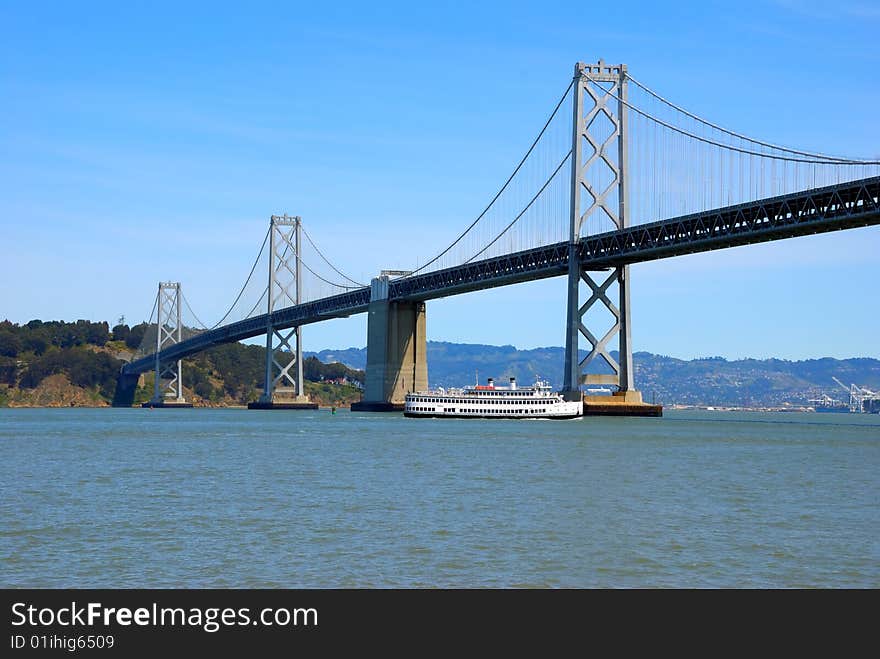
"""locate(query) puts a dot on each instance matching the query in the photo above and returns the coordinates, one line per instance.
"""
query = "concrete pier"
(396, 351)
(620, 403)
(126, 386)
(167, 403)
(283, 399)
(282, 405)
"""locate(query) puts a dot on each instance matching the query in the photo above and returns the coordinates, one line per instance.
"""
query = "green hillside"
(58, 364)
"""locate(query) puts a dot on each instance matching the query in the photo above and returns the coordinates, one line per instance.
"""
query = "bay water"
(309, 499)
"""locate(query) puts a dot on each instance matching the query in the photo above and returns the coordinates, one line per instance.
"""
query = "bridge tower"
(283, 384)
(168, 383)
(599, 192)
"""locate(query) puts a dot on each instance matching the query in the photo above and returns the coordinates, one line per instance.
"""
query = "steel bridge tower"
(168, 383)
(283, 384)
(598, 189)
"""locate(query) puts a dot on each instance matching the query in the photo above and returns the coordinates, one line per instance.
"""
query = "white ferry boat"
(491, 402)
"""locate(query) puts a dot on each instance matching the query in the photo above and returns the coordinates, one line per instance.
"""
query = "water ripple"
(229, 498)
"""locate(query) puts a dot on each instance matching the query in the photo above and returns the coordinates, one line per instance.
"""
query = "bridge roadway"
(834, 208)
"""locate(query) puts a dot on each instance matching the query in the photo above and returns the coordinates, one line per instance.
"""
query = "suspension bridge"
(617, 175)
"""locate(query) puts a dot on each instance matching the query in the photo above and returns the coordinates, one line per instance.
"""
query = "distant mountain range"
(708, 381)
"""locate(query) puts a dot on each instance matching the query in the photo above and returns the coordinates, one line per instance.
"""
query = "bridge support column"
(599, 168)
(396, 351)
(283, 384)
(168, 382)
(126, 387)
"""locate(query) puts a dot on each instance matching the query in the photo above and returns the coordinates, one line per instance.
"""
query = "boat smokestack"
(491, 382)
(513, 383)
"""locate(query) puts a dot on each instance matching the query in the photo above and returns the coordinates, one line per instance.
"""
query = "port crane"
(861, 399)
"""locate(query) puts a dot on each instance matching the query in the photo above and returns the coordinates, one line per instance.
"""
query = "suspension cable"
(342, 274)
(254, 308)
(819, 156)
(503, 187)
(246, 282)
(729, 146)
(155, 304)
(141, 349)
(289, 247)
(186, 302)
(327, 281)
(523, 211)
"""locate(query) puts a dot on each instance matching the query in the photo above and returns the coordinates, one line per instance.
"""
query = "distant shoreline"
(709, 408)
(136, 407)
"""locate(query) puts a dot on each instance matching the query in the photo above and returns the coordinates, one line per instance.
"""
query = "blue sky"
(148, 141)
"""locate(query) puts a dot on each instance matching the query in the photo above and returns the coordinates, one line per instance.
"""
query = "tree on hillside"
(7, 371)
(96, 334)
(121, 332)
(10, 344)
(35, 342)
(316, 370)
(83, 367)
(136, 335)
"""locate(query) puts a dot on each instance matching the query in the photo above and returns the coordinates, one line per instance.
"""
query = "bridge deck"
(834, 208)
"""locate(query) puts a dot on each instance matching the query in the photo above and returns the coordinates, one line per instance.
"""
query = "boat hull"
(832, 410)
(517, 417)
